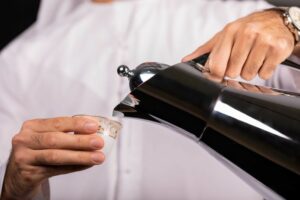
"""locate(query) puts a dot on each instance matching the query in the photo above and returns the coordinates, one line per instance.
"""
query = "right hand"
(44, 148)
(249, 46)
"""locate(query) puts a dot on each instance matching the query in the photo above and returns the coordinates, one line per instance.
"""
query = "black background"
(15, 16)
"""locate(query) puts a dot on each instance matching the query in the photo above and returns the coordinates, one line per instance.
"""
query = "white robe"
(66, 64)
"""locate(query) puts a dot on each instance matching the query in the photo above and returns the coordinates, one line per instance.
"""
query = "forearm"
(11, 187)
(12, 190)
(2, 174)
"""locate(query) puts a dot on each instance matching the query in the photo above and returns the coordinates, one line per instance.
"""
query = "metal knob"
(124, 71)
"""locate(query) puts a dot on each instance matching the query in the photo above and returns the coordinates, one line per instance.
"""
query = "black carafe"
(255, 132)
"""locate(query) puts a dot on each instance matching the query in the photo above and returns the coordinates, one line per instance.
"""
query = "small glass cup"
(108, 129)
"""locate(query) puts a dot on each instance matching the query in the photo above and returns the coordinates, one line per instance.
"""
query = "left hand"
(43, 148)
(251, 45)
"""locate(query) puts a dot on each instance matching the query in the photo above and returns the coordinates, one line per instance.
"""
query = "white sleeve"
(286, 78)
(43, 192)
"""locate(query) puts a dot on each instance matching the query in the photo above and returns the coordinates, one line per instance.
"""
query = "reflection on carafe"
(253, 130)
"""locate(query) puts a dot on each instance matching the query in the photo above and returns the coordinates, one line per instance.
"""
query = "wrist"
(291, 19)
(15, 188)
(12, 191)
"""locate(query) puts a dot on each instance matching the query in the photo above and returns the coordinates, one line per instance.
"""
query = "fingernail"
(96, 143)
(91, 126)
(97, 157)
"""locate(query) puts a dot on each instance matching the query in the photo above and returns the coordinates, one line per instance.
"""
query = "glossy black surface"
(202, 60)
(256, 128)
(141, 73)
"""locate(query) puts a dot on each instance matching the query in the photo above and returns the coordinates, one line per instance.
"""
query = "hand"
(45, 148)
(252, 45)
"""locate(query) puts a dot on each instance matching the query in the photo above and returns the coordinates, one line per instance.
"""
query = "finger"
(59, 140)
(255, 59)
(267, 70)
(63, 124)
(219, 56)
(58, 170)
(240, 51)
(95, 118)
(277, 53)
(273, 59)
(203, 49)
(212, 77)
(67, 157)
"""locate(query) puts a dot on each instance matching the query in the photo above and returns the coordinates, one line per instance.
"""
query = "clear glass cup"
(109, 130)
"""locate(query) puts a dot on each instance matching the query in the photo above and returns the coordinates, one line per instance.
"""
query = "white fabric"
(2, 174)
(53, 11)
(68, 66)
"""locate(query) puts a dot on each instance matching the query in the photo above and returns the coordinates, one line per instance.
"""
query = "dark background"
(15, 16)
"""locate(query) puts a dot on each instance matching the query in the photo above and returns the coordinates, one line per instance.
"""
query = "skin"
(251, 45)
(44, 148)
(102, 1)
(296, 51)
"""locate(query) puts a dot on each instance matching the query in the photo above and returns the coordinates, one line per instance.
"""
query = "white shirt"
(66, 64)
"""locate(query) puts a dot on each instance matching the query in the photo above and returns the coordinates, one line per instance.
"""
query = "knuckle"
(250, 35)
(57, 123)
(280, 46)
(18, 140)
(51, 141)
(19, 158)
(37, 139)
(231, 27)
(53, 158)
(251, 30)
(266, 40)
(28, 124)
